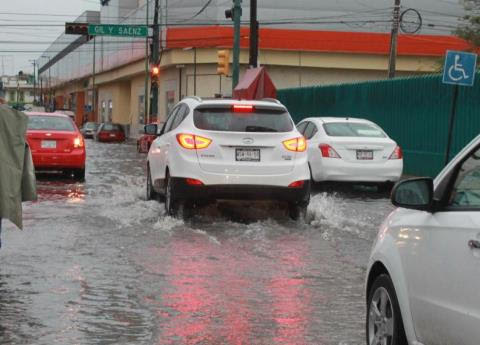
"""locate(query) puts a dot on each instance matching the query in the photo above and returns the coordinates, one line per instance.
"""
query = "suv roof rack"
(199, 99)
(271, 100)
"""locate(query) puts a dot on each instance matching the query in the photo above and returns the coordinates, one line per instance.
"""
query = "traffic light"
(154, 73)
(223, 62)
(76, 29)
(229, 13)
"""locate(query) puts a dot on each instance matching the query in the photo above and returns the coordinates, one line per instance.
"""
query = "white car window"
(301, 127)
(353, 129)
(310, 131)
(171, 118)
(466, 190)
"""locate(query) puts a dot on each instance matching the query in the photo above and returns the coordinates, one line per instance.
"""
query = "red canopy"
(255, 84)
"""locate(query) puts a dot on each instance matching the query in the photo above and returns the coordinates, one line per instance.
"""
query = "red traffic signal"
(76, 29)
(155, 71)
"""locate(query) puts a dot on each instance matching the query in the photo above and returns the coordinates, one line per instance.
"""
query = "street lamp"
(194, 68)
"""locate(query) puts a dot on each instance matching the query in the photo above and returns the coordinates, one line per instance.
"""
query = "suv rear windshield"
(259, 120)
(50, 123)
(353, 129)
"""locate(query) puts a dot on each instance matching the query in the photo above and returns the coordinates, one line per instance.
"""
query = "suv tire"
(172, 204)
(151, 194)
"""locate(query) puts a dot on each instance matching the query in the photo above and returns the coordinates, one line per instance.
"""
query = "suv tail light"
(296, 145)
(328, 151)
(78, 142)
(192, 142)
(397, 153)
(194, 182)
(296, 184)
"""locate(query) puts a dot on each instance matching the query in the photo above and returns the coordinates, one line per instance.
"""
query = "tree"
(469, 29)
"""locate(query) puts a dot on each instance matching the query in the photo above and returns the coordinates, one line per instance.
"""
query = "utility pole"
(147, 70)
(34, 82)
(394, 40)
(237, 15)
(253, 34)
(155, 58)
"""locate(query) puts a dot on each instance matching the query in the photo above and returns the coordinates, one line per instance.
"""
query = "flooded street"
(98, 264)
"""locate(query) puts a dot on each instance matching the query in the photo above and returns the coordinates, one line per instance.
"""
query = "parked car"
(56, 143)
(146, 140)
(89, 129)
(351, 150)
(228, 149)
(110, 132)
(423, 280)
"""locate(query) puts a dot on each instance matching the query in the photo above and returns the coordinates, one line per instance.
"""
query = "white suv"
(228, 149)
(423, 279)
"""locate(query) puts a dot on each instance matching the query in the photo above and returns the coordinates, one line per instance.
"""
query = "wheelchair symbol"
(456, 72)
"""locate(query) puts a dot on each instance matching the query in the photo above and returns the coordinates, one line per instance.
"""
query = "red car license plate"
(49, 144)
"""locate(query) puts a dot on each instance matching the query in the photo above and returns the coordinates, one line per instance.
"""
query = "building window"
(21, 96)
(11, 96)
(32, 94)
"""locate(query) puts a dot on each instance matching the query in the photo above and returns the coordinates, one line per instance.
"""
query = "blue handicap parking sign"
(459, 68)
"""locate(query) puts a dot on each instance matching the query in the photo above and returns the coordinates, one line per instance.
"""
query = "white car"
(228, 149)
(423, 279)
(352, 150)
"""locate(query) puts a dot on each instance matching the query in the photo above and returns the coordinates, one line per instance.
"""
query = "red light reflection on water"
(216, 294)
(291, 298)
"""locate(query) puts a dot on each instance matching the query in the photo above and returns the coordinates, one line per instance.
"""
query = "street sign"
(459, 68)
(118, 30)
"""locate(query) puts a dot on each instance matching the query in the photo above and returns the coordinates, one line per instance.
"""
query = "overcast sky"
(19, 45)
(51, 12)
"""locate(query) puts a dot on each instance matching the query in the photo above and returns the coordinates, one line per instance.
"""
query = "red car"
(146, 140)
(110, 132)
(56, 143)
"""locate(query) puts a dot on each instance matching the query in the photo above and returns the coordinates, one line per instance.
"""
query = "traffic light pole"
(253, 34)
(147, 60)
(155, 58)
(237, 14)
(94, 96)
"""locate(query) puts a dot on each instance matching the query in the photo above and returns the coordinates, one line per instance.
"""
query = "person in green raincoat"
(17, 173)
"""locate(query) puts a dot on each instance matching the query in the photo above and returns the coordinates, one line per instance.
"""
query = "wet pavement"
(98, 264)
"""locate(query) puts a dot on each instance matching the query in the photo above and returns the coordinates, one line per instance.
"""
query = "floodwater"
(98, 264)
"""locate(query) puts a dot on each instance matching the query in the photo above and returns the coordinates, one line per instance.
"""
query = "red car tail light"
(328, 151)
(192, 142)
(78, 142)
(194, 182)
(296, 184)
(296, 145)
(397, 153)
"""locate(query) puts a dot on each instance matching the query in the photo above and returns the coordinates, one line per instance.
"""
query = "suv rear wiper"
(259, 129)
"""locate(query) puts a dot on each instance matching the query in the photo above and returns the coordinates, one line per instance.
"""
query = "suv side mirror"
(415, 194)
(151, 129)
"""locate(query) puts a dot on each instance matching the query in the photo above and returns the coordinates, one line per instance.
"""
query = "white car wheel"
(384, 320)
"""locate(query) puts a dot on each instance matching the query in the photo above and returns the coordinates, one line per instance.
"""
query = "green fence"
(414, 111)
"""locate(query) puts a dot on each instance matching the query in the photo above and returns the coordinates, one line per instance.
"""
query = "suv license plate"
(363, 155)
(49, 144)
(247, 155)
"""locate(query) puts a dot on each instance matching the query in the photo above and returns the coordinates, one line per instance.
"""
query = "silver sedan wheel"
(381, 318)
